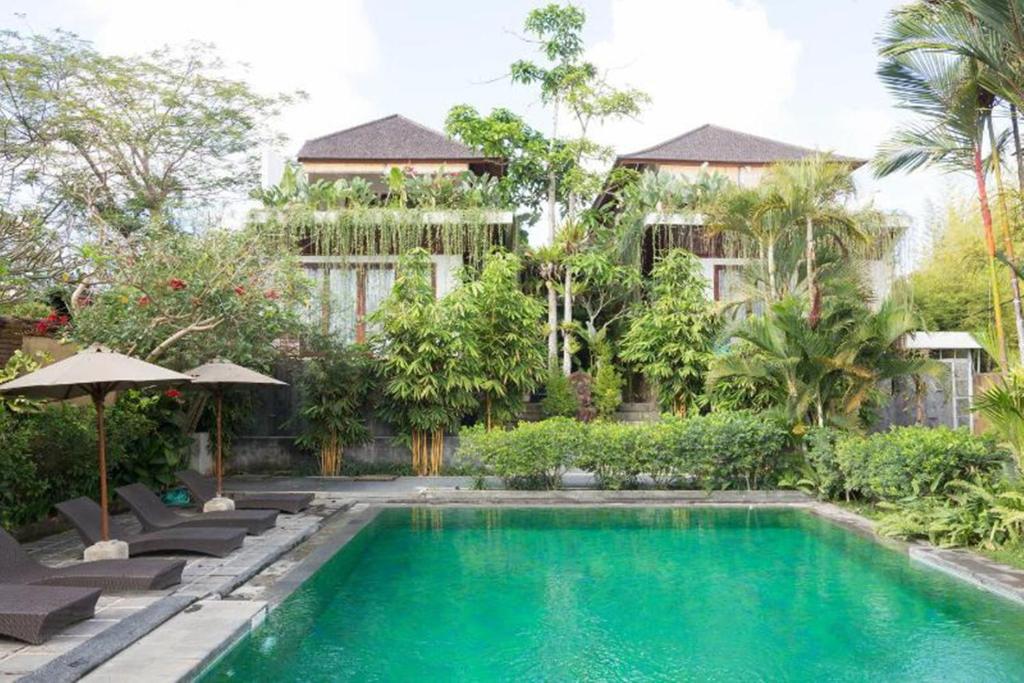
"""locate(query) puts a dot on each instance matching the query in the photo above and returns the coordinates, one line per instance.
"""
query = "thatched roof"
(392, 138)
(714, 144)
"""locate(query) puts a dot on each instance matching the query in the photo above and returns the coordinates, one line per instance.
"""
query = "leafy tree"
(559, 397)
(962, 302)
(569, 83)
(670, 340)
(118, 143)
(949, 96)
(182, 299)
(334, 388)
(429, 370)
(503, 134)
(29, 259)
(504, 324)
(604, 289)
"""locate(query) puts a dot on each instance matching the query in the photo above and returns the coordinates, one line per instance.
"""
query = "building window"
(347, 294)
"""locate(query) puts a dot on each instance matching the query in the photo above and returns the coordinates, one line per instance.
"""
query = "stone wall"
(12, 331)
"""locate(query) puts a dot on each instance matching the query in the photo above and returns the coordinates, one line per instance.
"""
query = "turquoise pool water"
(626, 595)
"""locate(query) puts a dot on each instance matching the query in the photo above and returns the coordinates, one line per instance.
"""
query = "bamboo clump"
(330, 456)
(427, 452)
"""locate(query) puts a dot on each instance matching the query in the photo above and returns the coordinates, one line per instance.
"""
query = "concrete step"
(638, 408)
(637, 417)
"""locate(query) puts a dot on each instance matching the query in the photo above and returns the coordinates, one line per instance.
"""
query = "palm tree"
(571, 239)
(946, 91)
(810, 195)
(1002, 405)
(945, 62)
(825, 373)
(748, 212)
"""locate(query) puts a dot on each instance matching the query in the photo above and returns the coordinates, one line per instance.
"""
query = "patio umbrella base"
(106, 550)
(219, 504)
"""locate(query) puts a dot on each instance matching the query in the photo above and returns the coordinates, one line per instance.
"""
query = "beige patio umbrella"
(95, 372)
(217, 377)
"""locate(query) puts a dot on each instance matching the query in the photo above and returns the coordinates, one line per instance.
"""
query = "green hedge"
(717, 451)
(49, 455)
(913, 461)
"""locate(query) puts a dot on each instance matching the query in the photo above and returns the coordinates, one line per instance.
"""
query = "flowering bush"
(180, 299)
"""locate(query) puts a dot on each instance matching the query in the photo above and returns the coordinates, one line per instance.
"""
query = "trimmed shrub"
(534, 455)
(723, 450)
(607, 389)
(915, 461)
(559, 397)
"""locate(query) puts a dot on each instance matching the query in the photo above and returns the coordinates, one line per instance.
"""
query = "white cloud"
(324, 49)
(701, 61)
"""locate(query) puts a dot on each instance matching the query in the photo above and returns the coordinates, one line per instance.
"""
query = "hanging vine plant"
(447, 213)
(378, 231)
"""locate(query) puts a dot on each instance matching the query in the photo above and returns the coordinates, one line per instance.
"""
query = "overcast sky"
(800, 71)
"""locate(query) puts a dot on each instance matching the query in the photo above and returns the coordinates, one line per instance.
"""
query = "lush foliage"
(183, 299)
(533, 455)
(914, 461)
(48, 451)
(722, 450)
(505, 325)
(559, 397)
(607, 389)
(454, 211)
(826, 374)
(670, 340)
(334, 390)
(428, 368)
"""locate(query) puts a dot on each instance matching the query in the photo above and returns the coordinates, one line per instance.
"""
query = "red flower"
(42, 327)
(52, 318)
(176, 284)
(239, 290)
(63, 320)
(271, 294)
(172, 393)
(144, 300)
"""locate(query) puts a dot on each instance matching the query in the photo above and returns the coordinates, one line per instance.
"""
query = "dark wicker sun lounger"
(34, 613)
(155, 516)
(204, 488)
(84, 515)
(118, 575)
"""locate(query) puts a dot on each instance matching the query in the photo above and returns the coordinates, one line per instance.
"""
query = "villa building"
(743, 159)
(356, 281)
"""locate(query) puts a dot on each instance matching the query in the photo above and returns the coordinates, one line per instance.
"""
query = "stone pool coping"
(271, 587)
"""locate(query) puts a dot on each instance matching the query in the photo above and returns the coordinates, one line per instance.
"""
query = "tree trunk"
(812, 286)
(990, 246)
(552, 325)
(1016, 147)
(553, 182)
(1004, 215)
(771, 271)
(567, 324)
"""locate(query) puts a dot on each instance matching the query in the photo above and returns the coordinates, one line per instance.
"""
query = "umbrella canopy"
(91, 372)
(220, 374)
(215, 377)
(94, 372)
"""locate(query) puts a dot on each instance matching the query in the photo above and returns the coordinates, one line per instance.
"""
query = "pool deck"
(174, 635)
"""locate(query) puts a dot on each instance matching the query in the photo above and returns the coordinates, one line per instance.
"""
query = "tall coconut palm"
(986, 38)
(945, 91)
(810, 195)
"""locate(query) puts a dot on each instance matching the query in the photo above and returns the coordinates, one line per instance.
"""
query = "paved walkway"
(203, 577)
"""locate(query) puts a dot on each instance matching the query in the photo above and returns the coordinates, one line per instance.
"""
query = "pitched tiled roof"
(392, 138)
(715, 144)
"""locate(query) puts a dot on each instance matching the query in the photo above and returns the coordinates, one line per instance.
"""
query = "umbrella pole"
(220, 465)
(101, 434)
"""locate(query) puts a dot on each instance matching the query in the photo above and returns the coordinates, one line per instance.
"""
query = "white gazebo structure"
(950, 396)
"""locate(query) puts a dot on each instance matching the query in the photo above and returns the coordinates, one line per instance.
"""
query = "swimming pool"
(566, 594)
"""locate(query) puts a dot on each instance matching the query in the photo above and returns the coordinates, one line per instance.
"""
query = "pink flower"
(144, 300)
(177, 284)
(271, 294)
(239, 290)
